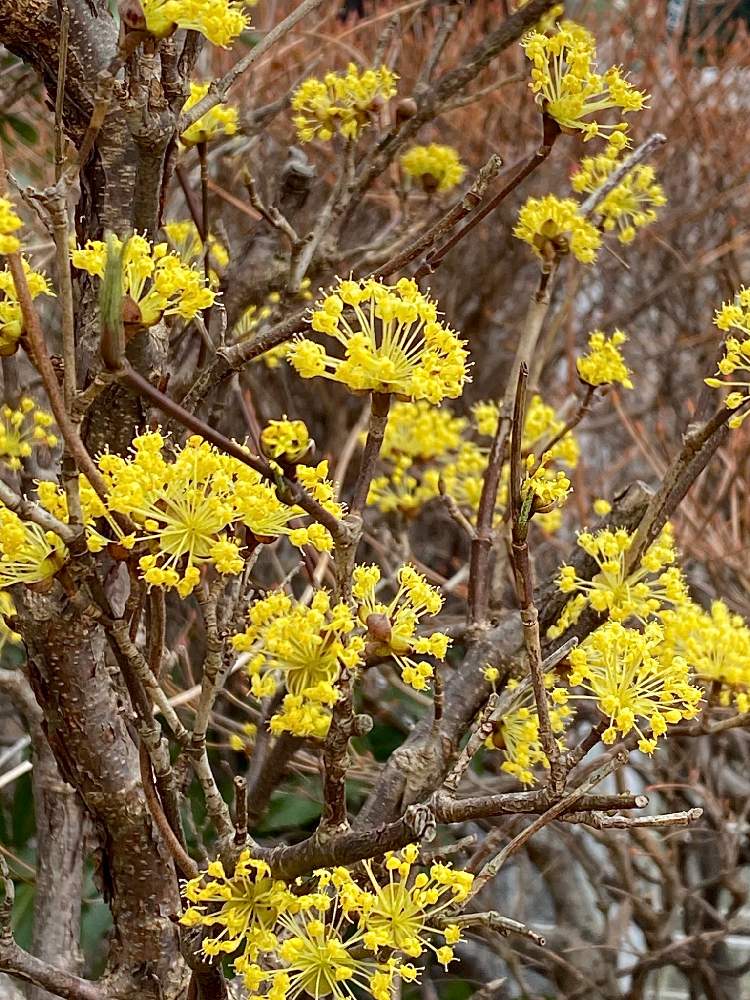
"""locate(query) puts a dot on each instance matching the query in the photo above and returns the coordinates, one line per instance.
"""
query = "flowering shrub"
(285, 627)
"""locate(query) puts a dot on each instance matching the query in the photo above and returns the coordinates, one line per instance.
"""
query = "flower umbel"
(568, 87)
(553, 226)
(640, 594)
(28, 553)
(221, 21)
(629, 206)
(11, 319)
(435, 167)
(604, 364)
(392, 627)
(629, 680)
(22, 430)
(395, 344)
(9, 224)
(156, 280)
(734, 318)
(341, 102)
(220, 120)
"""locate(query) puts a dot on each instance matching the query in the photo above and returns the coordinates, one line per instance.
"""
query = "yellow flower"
(402, 913)
(11, 319)
(9, 224)
(396, 344)
(541, 489)
(716, 645)
(421, 431)
(306, 648)
(285, 439)
(221, 21)
(341, 102)
(553, 225)
(602, 507)
(623, 672)
(734, 317)
(240, 910)
(22, 430)
(640, 594)
(7, 610)
(567, 85)
(154, 278)
(437, 168)
(28, 553)
(516, 734)
(392, 627)
(629, 206)
(220, 120)
(186, 240)
(604, 364)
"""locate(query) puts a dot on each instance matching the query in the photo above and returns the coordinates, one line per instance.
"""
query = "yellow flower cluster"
(156, 280)
(220, 21)
(9, 224)
(516, 734)
(392, 627)
(7, 610)
(542, 490)
(306, 648)
(187, 242)
(188, 510)
(28, 553)
(332, 939)
(424, 448)
(22, 430)
(733, 318)
(220, 120)
(568, 87)
(288, 440)
(629, 206)
(340, 102)
(11, 319)
(436, 167)
(640, 594)
(716, 644)
(625, 674)
(604, 364)
(553, 226)
(395, 345)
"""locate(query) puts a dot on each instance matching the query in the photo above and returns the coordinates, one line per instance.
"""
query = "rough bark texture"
(87, 726)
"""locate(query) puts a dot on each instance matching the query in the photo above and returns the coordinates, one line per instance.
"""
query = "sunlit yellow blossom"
(341, 102)
(220, 120)
(11, 320)
(716, 645)
(22, 430)
(186, 240)
(306, 648)
(285, 439)
(240, 911)
(221, 21)
(402, 913)
(28, 553)
(553, 226)
(629, 206)
(155, 279)
(642, 593)
(392, 627)
(604, 364)
(632, 685)
(734, 318)
(420, 431)
(602, 507)
(567, 85)
(437, 168)
(396, 344)
(542, 489)
(183, 508)
(517, 732)
(9, 224)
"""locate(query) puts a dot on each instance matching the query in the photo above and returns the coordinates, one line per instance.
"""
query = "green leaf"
(288, 811)
(24, 129)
